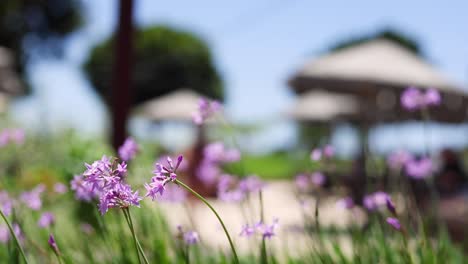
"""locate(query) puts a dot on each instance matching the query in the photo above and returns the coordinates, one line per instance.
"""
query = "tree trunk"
(121, 91)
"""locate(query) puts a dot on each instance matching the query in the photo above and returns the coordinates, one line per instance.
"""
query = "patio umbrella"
(377, 72)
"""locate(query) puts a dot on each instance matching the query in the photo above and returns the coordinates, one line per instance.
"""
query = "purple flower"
(33, 198)
(47, 219)
(17, 136)
(165, 173)
(411, 98)
(5, 234)
(419, 169)
(154, 187)
(398, 159)
(391, 206)
(11, 135)
(104, 174)
(217, 152)
(128, 150)
(162, 175)
(206, 109)
(247, 231)
(346, 203)
(369, 202)
(173, 194)
(432, 97)
(228, 191)
(328, 151)
(316, 154)
(394, 222)
(267, 231)
(214, 155)
(235, 195)
(318, 179)
(4, 138)
(6, 203)
(83, 190)
(208, 172)
(183, 166)
(251, 184)
(191, 237)
(120, 196)
(225, 182)
(414, 99)
(60, 188)
(375, 200)
(302, 182)
(53, 244)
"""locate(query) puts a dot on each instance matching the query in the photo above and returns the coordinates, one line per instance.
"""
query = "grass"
(58, 158)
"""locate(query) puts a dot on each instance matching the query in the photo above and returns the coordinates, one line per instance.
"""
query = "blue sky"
(256, 45)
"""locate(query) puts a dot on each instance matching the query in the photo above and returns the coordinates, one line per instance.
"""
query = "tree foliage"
(389, 34)
(165, 59)
(32, 27)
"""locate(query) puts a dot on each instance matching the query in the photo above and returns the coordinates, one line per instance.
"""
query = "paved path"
(280, 201)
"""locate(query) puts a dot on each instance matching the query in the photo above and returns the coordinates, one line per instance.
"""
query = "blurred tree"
(164, 59)
(389, 34)
(37, 27)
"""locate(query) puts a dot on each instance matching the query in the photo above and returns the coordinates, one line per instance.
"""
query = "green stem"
(262, 213)
(60, 261)
(133, 234)
(12, 232)
(217, 216)
(137, 241)
(263, 253)
(187, 254)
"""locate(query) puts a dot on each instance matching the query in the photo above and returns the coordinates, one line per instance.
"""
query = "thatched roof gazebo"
(324, 107)
(377, 72)
(175, 106)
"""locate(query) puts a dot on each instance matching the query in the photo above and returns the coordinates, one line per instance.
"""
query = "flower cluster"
(83, 190)
(375, 200)
(206, 109)
(121, 196)
(60, 188)
(11, 136)
(230, 190)
(393, 221)
(214, 156)
(265, 230)
(398, 159)
(162, 175)
(5, 235)
(6, 203)
(128, 150)
(304, 182)
(415, 99)
(327, 152)
(105, 179)
(189, 237)
(419, 168)
(47, 219)
(32, 199)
